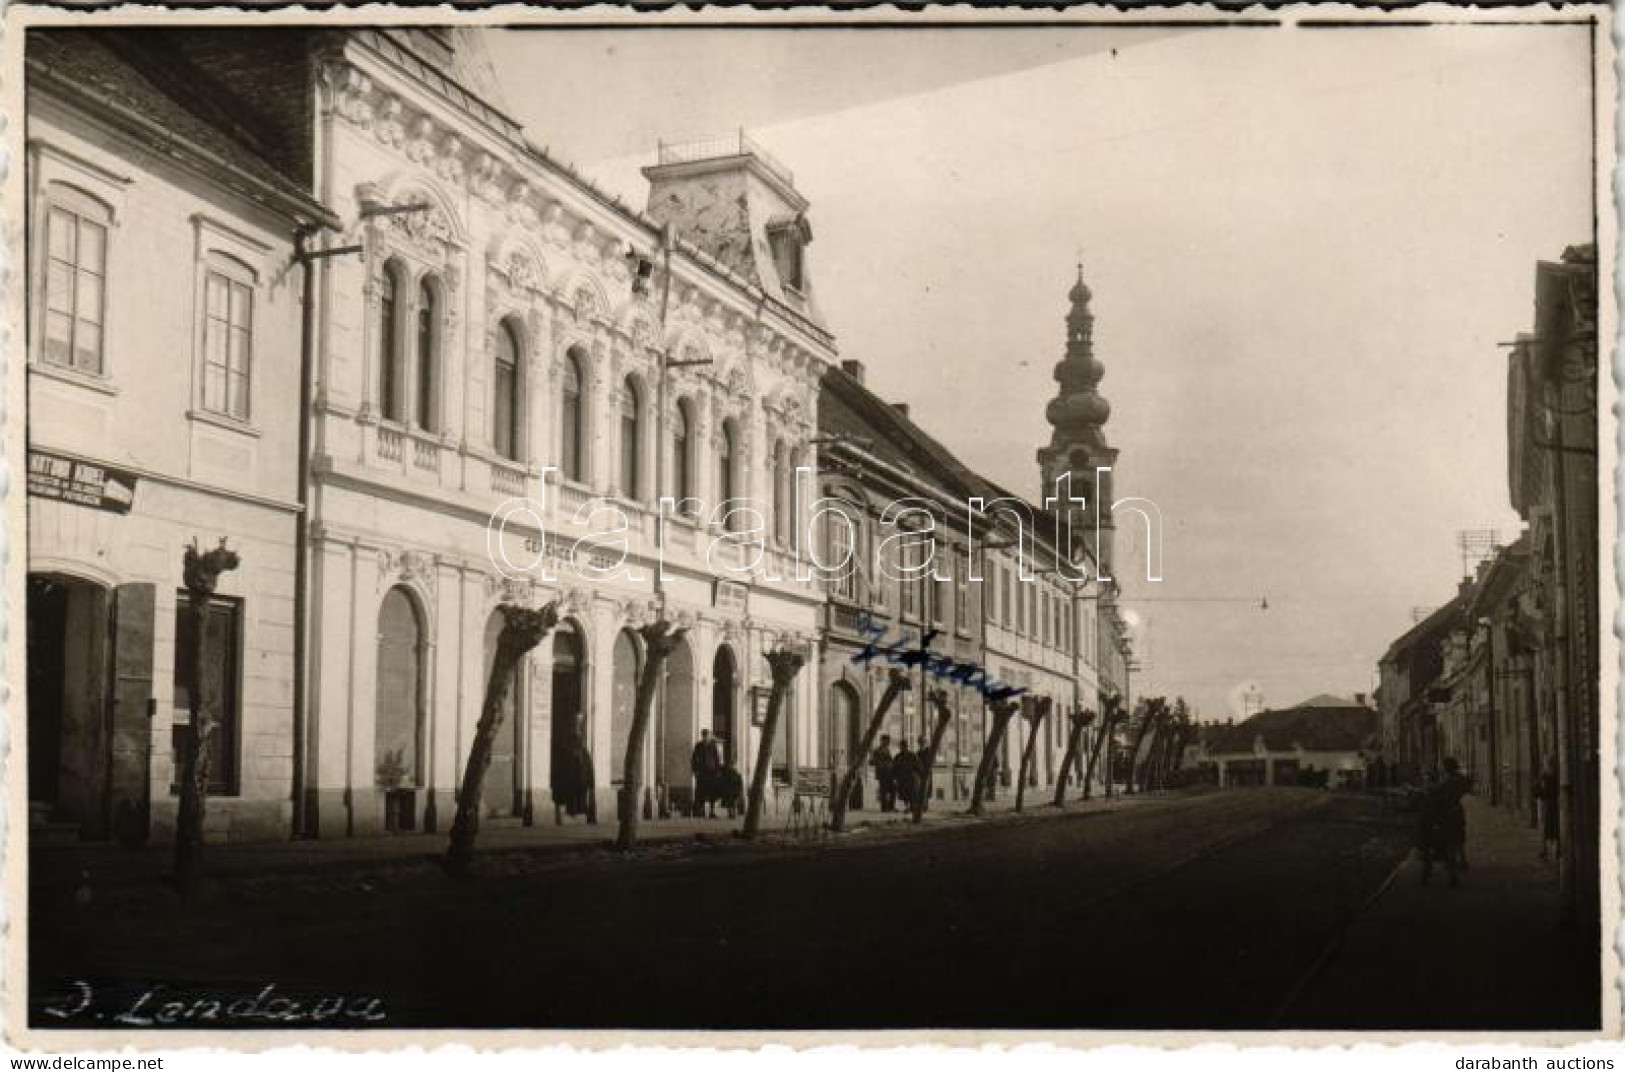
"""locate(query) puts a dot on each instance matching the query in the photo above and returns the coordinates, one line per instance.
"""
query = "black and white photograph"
(733, 524)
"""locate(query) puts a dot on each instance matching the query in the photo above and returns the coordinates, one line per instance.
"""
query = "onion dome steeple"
(1078, 410)
(1077, 416)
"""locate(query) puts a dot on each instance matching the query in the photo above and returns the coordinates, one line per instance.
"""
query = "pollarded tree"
(659, 641)
(938, 699)
(1003, 711)
(784, 665)
(1109, 720)
(897, 682)
(1149, 712)
(201, 574)
(1037, 712)
(1078, 721)
(522, 630)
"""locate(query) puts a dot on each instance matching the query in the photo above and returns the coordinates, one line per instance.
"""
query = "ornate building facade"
(500, 338)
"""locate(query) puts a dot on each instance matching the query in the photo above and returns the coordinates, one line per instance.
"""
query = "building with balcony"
(485, 326)
(500, 337)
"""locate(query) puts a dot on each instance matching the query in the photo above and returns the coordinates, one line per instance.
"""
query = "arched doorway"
(398, 721)
(677, 727)
(841, 734)
(499, 795)
(569, 670)
(724, 678)
(623, 694)
(840, 725)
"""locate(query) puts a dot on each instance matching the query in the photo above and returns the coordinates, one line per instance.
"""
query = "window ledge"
(220, 420)
(89, 380)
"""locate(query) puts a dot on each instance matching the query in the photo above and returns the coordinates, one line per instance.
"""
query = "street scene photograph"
(738, 522)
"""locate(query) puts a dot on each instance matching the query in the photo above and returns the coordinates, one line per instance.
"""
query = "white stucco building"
(487, 345)
(162, 370)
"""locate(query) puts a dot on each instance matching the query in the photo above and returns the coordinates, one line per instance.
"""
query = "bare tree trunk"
(659, 641)
(1080, 720)
(896, 683)
(1147, 766)
(928, 758)
(785, 665)
(1003, 712)
(1139, 738)
(1029, 753)
(1095, 748)
(201, 574)
(522, 630)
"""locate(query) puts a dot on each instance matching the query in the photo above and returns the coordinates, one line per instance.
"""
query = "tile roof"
(83, 67)
(1322, 724)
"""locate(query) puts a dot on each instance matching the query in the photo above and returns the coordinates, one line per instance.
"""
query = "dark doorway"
(569, 664)
(723, 688)
(677, 727)
(68, 726)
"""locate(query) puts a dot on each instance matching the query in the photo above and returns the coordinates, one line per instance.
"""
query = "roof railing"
(735, 143)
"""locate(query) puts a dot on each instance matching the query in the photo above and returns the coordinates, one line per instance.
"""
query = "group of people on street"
(901, 775)
(715, 782)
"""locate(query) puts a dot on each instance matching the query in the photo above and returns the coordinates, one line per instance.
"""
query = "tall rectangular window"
(1005, 596)
(840, 552)
(219, 680)
(910, 585)
(961, 591)
(75, 290)
(228, 344)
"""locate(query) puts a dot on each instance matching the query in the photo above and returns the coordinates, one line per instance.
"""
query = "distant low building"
(1326, 735)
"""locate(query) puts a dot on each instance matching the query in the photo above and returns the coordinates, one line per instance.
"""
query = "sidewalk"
(61, 866)
(1488, 954)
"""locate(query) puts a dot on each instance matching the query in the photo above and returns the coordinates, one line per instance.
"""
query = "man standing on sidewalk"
(881, 760)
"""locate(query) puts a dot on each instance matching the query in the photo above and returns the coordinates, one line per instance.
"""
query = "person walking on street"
(1452, 787)
(1546, 795)
(706, 763)
(881, 760)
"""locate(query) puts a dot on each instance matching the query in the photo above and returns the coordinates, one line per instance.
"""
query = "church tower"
(1078, 414)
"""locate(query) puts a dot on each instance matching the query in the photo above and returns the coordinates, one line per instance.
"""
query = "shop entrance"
(89, 691)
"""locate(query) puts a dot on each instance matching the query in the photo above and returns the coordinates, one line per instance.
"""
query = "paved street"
(1200, 910)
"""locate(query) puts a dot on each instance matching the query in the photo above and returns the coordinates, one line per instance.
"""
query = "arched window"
(682, 462)
(505, 393)
(428, 374)
(390, 387)
(631, 439)
(573, 458)
(726, 462)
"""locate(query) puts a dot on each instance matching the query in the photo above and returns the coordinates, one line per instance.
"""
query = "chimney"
(853, 369)
(900, 407)
(1359, 699)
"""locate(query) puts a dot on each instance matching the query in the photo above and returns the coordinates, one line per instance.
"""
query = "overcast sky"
(1304, 246)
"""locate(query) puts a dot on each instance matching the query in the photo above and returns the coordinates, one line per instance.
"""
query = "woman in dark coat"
(573, 778)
